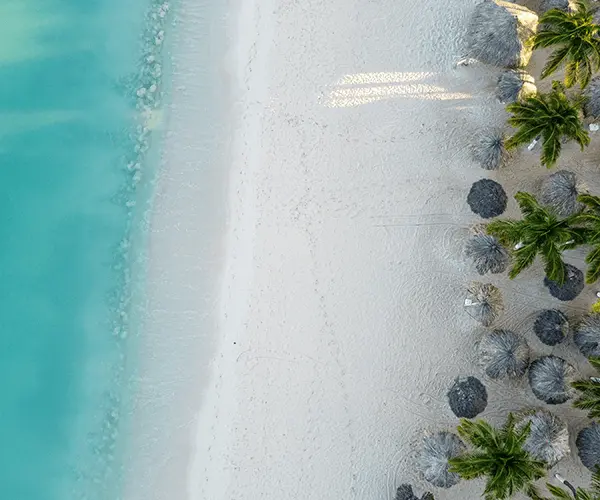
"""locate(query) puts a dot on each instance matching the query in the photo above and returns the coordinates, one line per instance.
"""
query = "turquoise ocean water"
(76, 92)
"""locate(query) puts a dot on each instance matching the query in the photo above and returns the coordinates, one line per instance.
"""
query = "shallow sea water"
(76, 94)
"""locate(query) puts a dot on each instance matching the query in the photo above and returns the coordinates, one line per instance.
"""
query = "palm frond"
(499, 457)
(551, 116)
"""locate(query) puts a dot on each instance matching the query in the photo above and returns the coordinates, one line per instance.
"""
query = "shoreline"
(336, 288)
(184, 244)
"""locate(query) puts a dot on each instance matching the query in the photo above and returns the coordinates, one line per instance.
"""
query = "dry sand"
(313, 366)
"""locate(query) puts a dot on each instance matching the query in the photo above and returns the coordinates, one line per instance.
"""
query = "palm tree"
(498, 456)
(551, 116)
(574, 35)
(591, 218)
(581, 493)
(589, 392)
(540, 231)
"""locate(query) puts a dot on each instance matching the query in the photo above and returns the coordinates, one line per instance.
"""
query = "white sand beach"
(301, 344)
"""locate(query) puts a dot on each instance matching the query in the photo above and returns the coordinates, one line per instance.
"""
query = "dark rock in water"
(548, 438)
(487, 198)
(551, 326)
(504, 354)
(467, 397)
(572, 286)
(587, 336)
(588, 444)
(487, 253)
(550, 378)
(438, 449)
(559, 193)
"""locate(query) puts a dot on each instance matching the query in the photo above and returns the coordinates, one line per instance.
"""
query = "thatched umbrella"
(587, 335)
(588, 444)
(559, 192)
(484, 302)
(550, 378)
(564, 5)
(504, 354)
(499, 32)
(513, 85)
(489, 150)
(571, 288)
(437, 450)
(467, 397)
(548, 438)
(591, 107)
(487, 198)
(487, 254)
(405, 492)
(551, 326)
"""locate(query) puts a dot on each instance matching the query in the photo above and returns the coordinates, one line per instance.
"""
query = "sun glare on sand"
(364, 88)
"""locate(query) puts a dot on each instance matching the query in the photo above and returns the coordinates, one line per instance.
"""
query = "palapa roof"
(487, 198)
(548, 438)
(437, 450)
(504, 354)
(484, 302)
(405, 492)
(467, 397)
(487, 254)
(514, 85)
(559, 192)
(572, 286)
(564, 5)
(498, 34)
(489, 150)
(587, 335)
(550, 379)
(591, 107)
(588, 445)
(551, 326)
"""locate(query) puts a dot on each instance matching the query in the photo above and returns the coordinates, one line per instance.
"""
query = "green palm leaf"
(499, 457)
(539, 233)
(551, 116)
(575, 37)
(588, 392)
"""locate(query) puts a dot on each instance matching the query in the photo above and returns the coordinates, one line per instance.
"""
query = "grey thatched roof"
(405, 492)
(498, 34)
(514, 85)
(489, 150)
(548, 438)
(484, 302)
(559, 192)
(588, 444)
(550, 378)
(592, 104)
(487, 198)
(551, 326)
(564, 5)
(487, 253)
(572, 286)
(437, 450)
(504, 354)
(587, 335)
(467, 397)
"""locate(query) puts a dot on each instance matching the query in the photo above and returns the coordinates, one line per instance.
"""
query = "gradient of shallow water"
(68, 70)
